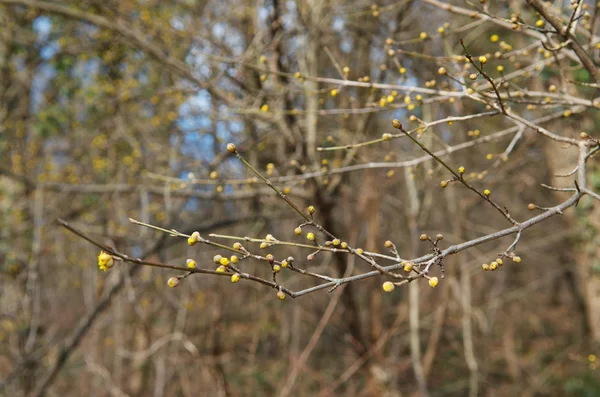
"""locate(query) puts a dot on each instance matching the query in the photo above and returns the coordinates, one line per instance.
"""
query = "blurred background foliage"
(116, 109)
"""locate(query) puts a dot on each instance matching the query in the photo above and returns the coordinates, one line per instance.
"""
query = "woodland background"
(106, 107)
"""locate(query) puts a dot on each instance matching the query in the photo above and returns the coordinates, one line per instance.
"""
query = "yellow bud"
(344, 245)
(237, 246)
(276, 268)
(487, 193)
(388, 244)
(461, 170)
(442, 71)
(386, 136)
(516, 259)
(264, 108)
(423, 35)
(234, 259)
(423, 237)
(284, 263)
(224, 262)
(311, 209)
(231, 148)
(444, 184)
(494, 38)
(408, 266)
(485, 267)
(388, 286)
(191, 264)
(298, 230)
(433, 282)
(482, 59)
(280, 295)
(173, 282)
(359, 251)
(235, 278)
(396, 124)
(334, 92)
(310, 236)
(539, 23)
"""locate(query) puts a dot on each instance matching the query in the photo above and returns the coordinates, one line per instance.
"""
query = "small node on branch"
(433, 282)
(310, 257)
(191, 264)
(423, 237)
(235, 278)
(397, 124)
(388, 286)
(231, 148)
(531, 206)
(280, 295)
(173, 282)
